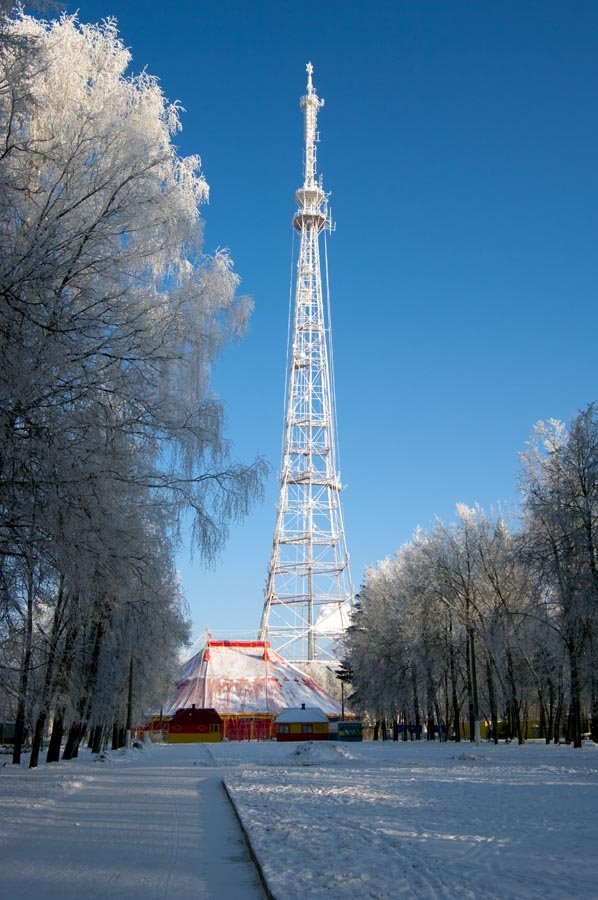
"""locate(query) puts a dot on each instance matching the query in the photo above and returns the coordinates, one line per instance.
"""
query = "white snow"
(303, 713)
(371, 820)
(245, 677)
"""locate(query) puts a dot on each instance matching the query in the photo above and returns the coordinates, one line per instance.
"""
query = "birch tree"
(111, 317)
(560, 505)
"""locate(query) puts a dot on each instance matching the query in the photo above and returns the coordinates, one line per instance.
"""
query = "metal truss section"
(309, 595)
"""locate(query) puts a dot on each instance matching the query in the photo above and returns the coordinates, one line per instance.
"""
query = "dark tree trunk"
(115, 732)
(474, 705)
(96, 739)
(492, 699)
(575, 697)
(24, 675)
(514, 710)
(447, 710)
(73, 740)
(469, 686)
(544, 724)
(430, 696)
(62, 673)
(129, 725)
(594, 719)
(525, 722)
(439, 721)
(416, 711)
(558, 715)
(455, 700)
(53, 754)
(48, 680)
(78, 729)
(376, 729)
(36, 743)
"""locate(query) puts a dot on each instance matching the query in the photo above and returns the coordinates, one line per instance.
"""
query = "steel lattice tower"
(309, 594)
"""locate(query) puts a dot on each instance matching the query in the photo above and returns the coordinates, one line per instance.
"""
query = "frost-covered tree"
(455, 618)
(560, 505)
(111, 317)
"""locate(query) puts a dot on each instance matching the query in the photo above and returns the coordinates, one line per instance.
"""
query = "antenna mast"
(309, 595)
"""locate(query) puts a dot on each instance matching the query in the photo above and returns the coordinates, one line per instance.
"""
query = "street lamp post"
(336, 675)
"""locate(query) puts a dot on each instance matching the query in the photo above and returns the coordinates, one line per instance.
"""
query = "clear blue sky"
(460, 144)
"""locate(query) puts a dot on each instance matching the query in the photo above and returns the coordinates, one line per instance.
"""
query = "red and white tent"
(245, 678)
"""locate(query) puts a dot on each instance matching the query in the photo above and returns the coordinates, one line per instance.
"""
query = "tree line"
(475, 620)
(111, 317)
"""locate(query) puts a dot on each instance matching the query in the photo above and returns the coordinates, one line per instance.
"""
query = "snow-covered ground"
(377, 820)
(140, 825)
(420, 820)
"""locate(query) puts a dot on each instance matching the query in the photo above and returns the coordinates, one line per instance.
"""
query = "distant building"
(193, 725)
(302, 724)
(248, 683)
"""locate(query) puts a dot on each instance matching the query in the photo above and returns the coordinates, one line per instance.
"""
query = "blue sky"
(460, 144)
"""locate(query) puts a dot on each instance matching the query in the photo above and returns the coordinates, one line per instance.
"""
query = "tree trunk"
(74, 738)
(454, 691)
(439, 721)
(492, 699)
(416, 712)
(469, 686)
(447, 711)
(514, 710)
(25, 668)
(48, 681)
(558, 715)
(36, 743)
(129, 724)
(575, 696)
(594, 721)
(544, 717)
(96, 739)
(78, 729)
(430, 718)
(62, 672)
(53, 754)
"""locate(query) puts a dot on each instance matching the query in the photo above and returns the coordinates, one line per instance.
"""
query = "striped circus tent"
(248, 683)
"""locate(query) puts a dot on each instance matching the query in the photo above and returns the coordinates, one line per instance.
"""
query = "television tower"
(309, 596)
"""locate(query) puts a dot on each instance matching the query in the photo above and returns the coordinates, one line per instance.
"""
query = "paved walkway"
(150, 826)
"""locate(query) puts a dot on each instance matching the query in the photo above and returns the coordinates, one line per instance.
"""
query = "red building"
(192, 725)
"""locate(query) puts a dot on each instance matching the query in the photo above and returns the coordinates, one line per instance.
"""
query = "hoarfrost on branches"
(111, 317)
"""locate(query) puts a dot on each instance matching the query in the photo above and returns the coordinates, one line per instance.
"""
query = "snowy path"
(144, 825)
(369, 821)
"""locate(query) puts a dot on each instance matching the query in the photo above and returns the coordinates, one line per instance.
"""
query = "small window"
(307, 729)
(283, 729)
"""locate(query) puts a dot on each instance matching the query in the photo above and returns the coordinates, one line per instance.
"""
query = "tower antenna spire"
(310, 104)
(309, 596)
